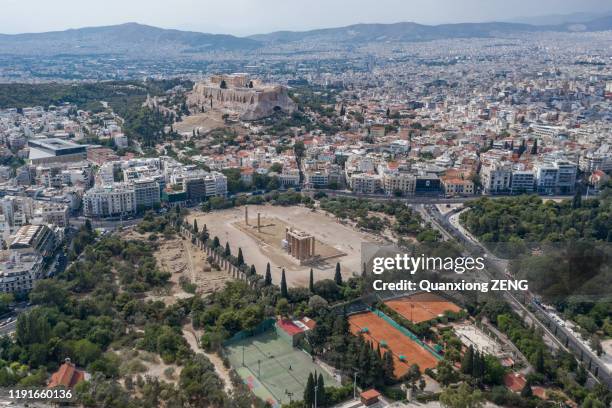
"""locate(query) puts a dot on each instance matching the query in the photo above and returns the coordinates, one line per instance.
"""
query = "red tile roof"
(67, 375)
(288, 327)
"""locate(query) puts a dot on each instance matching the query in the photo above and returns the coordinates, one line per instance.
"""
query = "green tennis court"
(270, 362)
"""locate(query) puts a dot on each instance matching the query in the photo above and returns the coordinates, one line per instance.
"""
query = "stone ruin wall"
(250, 103)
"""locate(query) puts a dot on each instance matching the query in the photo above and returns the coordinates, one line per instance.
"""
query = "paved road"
(414, 199)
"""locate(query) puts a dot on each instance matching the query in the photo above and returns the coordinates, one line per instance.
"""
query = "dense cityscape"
(161, 215)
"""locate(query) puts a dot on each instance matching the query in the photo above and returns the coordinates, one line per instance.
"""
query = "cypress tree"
(577, 201)
(311, 281)
(253, 271)
(338, 275)
(539, 361)
(389, 366)
(320, 391)
(228, 251)
(216, 243)
(527, 392)
(283, 285)
(240, 257)
(309, 391)
(534, 148)
(467, 363)
(268, 278)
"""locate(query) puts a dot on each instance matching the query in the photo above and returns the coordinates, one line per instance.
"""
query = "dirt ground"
(606, 357)
(183, 260)
(272, 232)
(191, 335)
(324, 227)
(204, 122)
(143, 363)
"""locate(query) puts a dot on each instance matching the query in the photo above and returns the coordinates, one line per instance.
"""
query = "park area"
(272, 368)
(422, 307)
(406, 351)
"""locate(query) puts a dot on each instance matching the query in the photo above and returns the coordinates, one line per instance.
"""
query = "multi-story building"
(366, 183)
(39, 239)
(114, 199)
(146, 193)
(20, 271)
(53, 150)
(55, 213)
(289, 178)
(495, 177)
(556, 177)
(523, 181)
(317, 178)
(456, 186)
(394, 182)
(600, 159)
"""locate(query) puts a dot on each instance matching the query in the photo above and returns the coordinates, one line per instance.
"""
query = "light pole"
(355, 385)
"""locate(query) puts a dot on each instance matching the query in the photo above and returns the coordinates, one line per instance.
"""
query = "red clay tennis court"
(422, 307)
(377, 330)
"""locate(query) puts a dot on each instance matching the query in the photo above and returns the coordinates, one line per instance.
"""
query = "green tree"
(228, 251)
(467, 362)
(321, 391)
(527, 392)
(268, 278)
(461, 397)
(338, 275)
(311, 281)
(539, 361)
(195, 226)
(240, 258)
(534, 148)
(283, 284)
(199, 383)
(389, 366)
(309, 391)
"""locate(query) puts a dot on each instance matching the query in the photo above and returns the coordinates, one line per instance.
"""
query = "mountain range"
(140, 40)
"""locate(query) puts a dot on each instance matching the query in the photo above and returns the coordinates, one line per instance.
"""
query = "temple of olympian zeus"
(299, 244)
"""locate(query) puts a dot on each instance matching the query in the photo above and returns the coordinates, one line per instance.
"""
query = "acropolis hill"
(251, 99)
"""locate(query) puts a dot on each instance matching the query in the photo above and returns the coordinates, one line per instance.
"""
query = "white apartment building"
(20, 271)
(289, 178)
(557, 177)
(114, 199)
(395, 181)
(600, 159)
(495, 177)
(365, 183)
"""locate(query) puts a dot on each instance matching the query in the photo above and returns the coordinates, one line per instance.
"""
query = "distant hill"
(402, 32)
(409, 32)
(130, 38)
(142, 41)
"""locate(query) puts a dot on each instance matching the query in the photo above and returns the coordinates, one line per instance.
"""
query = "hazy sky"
(244, 17)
